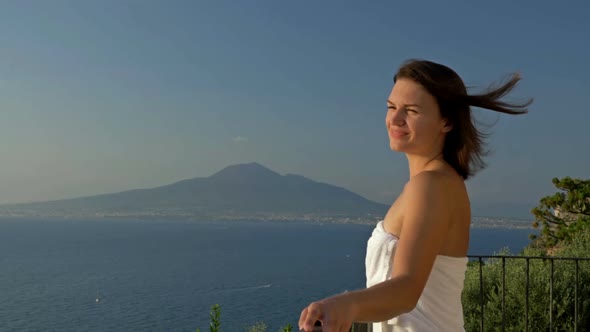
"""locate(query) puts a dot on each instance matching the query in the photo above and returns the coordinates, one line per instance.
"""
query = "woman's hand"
(336, 314)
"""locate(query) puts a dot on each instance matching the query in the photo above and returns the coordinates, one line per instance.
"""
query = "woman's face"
(413, 120)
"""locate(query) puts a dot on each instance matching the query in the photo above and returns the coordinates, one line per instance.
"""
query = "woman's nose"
(397, 118)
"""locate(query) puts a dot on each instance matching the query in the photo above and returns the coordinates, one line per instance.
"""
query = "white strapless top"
(439, 307)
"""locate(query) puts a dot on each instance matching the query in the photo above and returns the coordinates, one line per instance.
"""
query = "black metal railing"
(356, 327)
(364, 327)
(361, 327)
(575, 260)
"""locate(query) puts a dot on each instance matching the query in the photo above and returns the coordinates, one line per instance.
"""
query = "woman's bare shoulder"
(435, 189)
(433, 179)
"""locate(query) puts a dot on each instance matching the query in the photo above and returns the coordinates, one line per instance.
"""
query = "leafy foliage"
(563, 214)
(215, 319)
(215, 323)
(539, 296)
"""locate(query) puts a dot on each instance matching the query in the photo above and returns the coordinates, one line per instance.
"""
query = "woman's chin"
(395, 146)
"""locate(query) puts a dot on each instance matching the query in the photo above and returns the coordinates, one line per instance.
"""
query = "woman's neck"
(420, 163)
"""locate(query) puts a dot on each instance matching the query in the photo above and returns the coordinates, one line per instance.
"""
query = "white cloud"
(240, 139)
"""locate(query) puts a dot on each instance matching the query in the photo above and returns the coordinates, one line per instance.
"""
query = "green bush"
(258, 327)
(215, 323)
(539, 290)
(214, 315)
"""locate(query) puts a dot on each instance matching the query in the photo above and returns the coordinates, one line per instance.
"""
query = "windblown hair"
(464, 145)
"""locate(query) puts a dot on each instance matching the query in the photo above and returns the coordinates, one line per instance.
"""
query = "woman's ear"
(448, 126)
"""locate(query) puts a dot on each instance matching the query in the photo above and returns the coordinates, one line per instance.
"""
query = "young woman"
(416, 257)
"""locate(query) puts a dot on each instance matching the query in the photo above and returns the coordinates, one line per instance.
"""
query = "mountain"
(244, 191)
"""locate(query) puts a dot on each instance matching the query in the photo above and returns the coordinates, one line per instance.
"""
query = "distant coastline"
(477, 222)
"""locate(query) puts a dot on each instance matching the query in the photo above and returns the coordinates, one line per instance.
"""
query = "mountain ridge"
(241, 191)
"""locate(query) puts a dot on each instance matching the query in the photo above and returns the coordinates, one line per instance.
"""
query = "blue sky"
(106, 96)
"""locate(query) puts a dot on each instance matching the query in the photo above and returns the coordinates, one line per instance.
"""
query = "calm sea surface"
(164, 276)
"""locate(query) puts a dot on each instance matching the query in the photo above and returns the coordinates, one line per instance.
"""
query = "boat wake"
(246, 288)
(256, 287)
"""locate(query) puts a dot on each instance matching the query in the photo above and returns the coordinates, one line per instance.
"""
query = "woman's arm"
(426, 220)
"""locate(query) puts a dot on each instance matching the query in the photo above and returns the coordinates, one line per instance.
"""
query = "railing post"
(481, 292)
(526, 305)
(551, 299)
(576, 299)
(503, 294)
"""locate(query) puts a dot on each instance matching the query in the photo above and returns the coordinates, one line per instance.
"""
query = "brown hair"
(463, 146)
